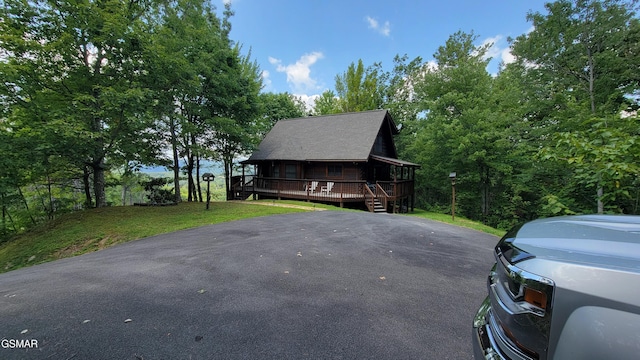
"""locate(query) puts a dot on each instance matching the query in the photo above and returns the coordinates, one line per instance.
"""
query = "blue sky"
(301, 45)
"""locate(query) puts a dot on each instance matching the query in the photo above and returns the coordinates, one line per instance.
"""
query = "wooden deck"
(387, 195)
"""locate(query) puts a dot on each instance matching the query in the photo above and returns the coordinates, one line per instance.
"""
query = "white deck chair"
(312, 188)
(327, 189)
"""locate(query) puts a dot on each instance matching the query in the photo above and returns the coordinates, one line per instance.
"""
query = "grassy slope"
(460, 221)
(96, 229)
(81, 232)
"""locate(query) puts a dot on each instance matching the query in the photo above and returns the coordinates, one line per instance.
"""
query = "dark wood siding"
(384, 145)
(281, 169)
(315, 171)
(350, 171)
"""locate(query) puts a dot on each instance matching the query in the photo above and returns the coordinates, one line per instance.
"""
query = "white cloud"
(408, 90)
(373, 23)
(385, 29)
(299, 73)
(507, 56)
(266, 81)
(493, 44)
(431, 65)
(309, 100)
(499, 50)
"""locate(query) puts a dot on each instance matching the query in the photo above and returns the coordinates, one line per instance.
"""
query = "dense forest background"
(93, 91)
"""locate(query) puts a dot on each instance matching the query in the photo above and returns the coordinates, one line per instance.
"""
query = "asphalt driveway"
(321, 285)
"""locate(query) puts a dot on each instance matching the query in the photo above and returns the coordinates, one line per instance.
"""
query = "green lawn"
(460, 221)
(85, 231)
(90, 230)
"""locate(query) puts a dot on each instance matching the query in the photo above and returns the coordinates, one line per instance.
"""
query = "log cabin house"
(342, 158)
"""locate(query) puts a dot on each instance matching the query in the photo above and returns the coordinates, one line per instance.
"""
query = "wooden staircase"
(378, 207)
(241, 195)
(376, 202)
(241, 192)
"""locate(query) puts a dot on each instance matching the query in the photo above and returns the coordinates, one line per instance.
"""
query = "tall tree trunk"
(26, 205)
(198, 178)
(191, 185)
(50, 196)
(228, 172)
(123, 195)
(485, 184)
(592, 99)
(176, 161)
(592, 79)
(13, 224)
(99, 183)
(6, 214)
(194, 190)
(86, 176)
(600, 193)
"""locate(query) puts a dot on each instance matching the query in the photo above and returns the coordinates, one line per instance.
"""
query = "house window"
(290, 171)
(276, 171)
(334, 171)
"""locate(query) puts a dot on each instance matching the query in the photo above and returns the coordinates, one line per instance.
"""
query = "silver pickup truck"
(563, 288)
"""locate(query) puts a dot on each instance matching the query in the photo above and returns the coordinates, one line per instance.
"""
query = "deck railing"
(397, 189)
(331, 190)
(311, 189)
(369, 198)
(382, 195)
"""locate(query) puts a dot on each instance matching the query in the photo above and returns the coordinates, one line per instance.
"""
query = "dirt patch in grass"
(290, 206)
(90, 245)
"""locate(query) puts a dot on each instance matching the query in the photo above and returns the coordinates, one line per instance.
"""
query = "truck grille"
(521, 305)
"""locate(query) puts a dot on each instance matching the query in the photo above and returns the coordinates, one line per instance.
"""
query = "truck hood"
(611, 241)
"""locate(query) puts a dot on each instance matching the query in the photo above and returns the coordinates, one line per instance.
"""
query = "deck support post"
(244, 188)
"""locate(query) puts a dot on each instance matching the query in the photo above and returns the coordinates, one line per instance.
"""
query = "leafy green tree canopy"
(327, 103)
(359, 88)
(280, 106)
(582, 60)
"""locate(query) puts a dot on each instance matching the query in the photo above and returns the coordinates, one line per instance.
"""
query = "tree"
(75, 69)
(235, 108)
(359, 89)
(463, 129)
(173, 77)
(210, 91)
(399, 97)
(280, 106)
(604, 157)
(188, 35)
(583, 56)
(326, 104)
(583, 47)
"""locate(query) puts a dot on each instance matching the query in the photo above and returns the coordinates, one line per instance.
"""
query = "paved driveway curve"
(321, 285)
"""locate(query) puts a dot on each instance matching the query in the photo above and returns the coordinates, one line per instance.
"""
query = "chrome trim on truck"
(483, 339)
(561, 288)
(514, 286)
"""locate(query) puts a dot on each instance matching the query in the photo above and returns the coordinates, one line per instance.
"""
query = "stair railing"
(369, 198)
(381, 194)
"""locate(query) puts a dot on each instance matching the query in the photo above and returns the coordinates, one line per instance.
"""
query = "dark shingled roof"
(340, 137)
